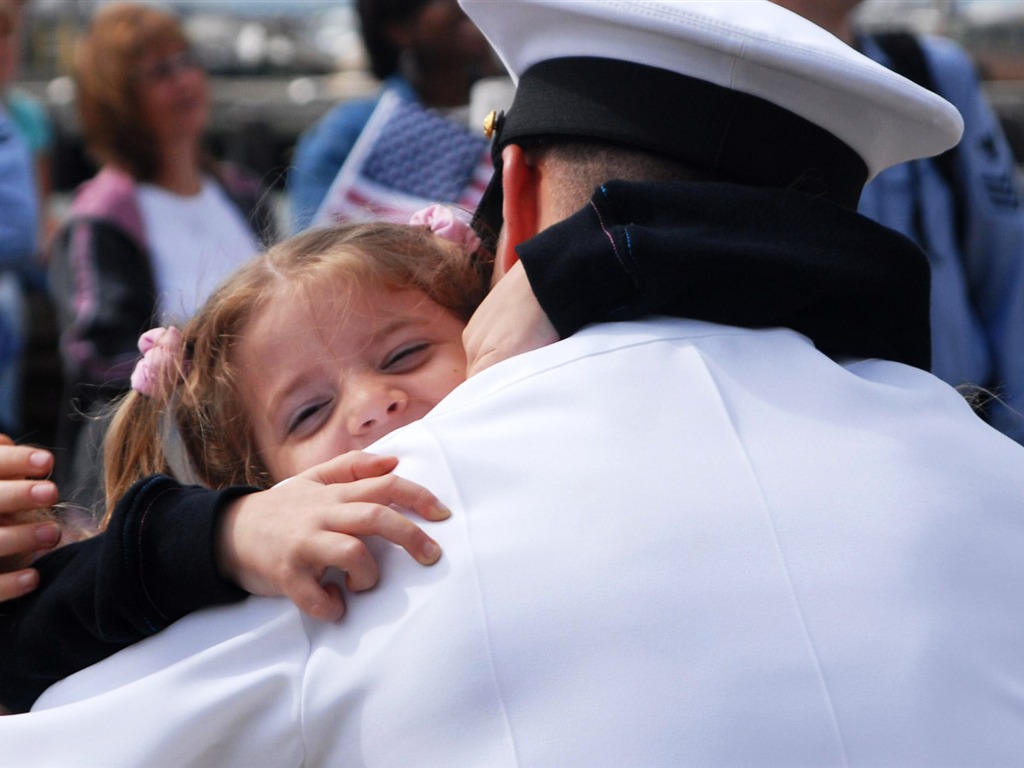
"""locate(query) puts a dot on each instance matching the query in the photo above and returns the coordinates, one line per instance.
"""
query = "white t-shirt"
(196, 241)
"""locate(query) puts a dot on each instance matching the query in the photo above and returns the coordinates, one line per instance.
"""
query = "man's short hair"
(581, 166)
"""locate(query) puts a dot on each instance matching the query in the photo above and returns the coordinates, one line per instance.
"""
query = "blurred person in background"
(408, 146)
(19, 218)
(30, 116)
(154, 231)
(963, 208)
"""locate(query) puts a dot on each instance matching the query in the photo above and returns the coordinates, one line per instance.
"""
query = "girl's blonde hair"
(205, 407)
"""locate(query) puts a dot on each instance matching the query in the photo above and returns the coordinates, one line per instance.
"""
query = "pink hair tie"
(162, 362)
(443, 222)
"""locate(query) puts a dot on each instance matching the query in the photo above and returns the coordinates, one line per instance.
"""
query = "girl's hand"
(282, 541)
(508, 322)
(21, 499)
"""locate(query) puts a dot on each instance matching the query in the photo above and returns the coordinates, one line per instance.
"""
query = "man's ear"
(520, 184)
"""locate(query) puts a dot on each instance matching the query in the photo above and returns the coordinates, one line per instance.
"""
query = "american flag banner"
(406, 158)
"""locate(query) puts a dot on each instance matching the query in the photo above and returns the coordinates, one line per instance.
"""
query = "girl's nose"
(374, 411)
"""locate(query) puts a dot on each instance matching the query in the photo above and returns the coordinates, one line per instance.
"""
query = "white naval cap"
(742, 88)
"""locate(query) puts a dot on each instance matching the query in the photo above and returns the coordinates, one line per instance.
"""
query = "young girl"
(329, 341)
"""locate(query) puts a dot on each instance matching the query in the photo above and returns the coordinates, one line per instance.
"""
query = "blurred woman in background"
(149, 236)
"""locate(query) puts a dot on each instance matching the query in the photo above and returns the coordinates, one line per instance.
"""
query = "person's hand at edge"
(282, 541)
(21, 494)
(508, 322)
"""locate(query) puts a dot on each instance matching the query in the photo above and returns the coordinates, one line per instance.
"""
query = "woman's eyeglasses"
(167, 68)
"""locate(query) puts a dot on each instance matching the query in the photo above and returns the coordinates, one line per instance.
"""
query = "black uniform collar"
(739, 256)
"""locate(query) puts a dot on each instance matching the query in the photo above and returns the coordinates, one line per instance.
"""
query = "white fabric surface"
(196, 240)
(673, 543)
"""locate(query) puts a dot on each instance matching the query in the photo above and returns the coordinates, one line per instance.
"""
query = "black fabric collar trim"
(738, 256)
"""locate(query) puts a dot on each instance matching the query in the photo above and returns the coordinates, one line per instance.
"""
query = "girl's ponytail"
(134, 446)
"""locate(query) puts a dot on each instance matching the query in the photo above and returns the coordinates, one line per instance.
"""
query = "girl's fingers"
(358, 476)
(345, 552)
(348, 553)
(351, 466)
(391, 490)
(322, 602)
(377, 520)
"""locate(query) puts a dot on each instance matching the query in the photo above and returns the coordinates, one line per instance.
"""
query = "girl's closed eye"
(406, 358)
(308, 417)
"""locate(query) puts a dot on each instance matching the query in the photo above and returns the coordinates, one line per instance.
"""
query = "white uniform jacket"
(673, 543)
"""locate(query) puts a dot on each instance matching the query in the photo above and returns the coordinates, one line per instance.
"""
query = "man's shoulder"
(602, 346)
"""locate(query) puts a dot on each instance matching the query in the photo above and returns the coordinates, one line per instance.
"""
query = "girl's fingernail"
(47, 534)
(431, 551)
(442, 512)
(43, 493)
